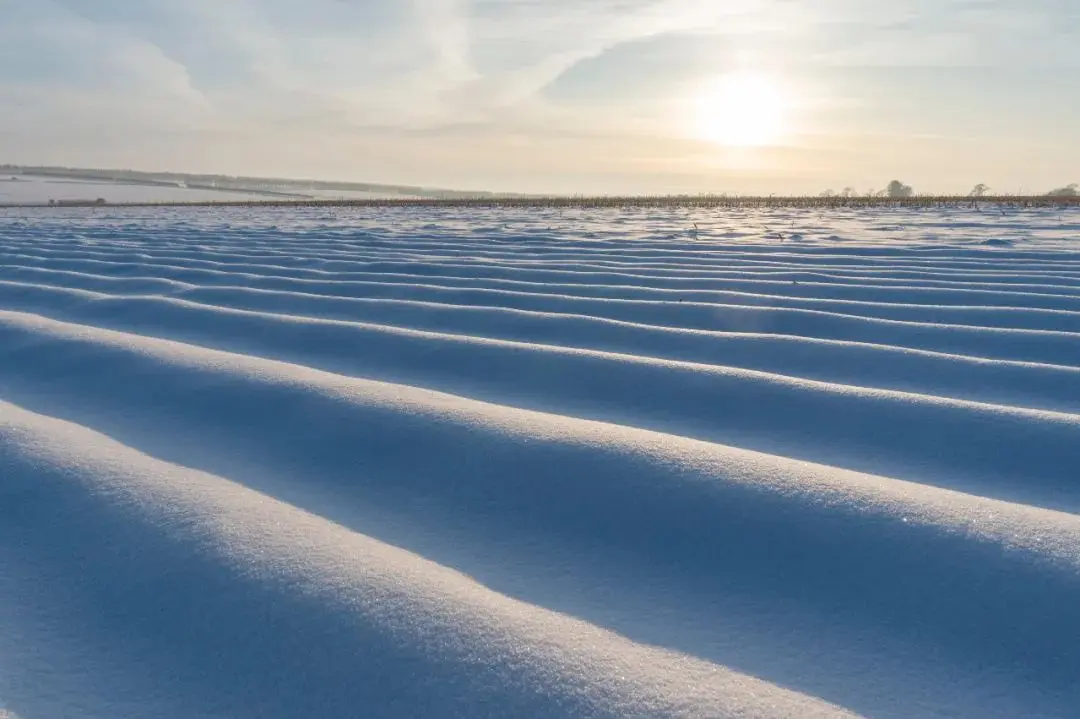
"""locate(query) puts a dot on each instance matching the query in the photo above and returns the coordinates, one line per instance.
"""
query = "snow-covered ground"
(15, 190)
(356, 195)
(24, 189)
(280, 463)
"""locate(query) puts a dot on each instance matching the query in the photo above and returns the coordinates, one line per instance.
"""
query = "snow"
(20, 189)
(279, 463)
(35, 189)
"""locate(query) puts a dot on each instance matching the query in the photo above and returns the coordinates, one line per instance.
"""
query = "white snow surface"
(539, 463)
(23, 189)
(31, 189)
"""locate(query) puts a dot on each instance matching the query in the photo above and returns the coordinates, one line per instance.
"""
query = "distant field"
(121, 197)
(24, 190)
(28, 190)
(163, 187)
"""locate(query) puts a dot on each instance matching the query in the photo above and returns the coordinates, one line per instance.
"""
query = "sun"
(742, 110)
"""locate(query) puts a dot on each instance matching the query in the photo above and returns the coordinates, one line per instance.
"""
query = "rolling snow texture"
(282, 463)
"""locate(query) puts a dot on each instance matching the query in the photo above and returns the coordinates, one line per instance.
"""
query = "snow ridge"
(528, 463)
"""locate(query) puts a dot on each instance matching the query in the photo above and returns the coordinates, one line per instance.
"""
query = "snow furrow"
(332, 301)
(706, 272)
(864, 365)
(161, 276)
(808, 288)
(652, 508)
(356, 620)
(538, 463)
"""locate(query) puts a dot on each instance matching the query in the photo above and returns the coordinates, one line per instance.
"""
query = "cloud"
(391, 87)
(961, 33)
(351, 62)
(61, 69)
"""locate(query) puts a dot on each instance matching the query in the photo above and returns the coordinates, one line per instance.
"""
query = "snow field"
(522, 463)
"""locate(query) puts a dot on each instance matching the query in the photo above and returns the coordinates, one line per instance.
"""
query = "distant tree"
(898, 189)
(1068, 191)
(847, 192)
(979, 190)
(827, 193)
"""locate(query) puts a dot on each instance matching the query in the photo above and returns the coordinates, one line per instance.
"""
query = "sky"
(554, 96)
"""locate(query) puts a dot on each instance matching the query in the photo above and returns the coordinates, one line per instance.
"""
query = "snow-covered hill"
(280, 463)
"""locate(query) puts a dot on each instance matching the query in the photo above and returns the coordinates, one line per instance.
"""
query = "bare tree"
(1068, 191)
(979, 190)
(898, 189)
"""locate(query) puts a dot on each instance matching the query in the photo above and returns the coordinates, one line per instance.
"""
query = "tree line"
(898, 190)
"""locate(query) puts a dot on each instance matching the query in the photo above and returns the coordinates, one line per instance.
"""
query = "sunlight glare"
(742, 110)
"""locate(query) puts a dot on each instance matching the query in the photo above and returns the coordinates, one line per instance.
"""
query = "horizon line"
(702, 200)
(431, 192)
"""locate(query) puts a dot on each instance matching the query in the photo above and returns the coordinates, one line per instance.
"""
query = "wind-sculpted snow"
(270, 463)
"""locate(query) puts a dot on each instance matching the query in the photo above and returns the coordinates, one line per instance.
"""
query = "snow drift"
(526, 465)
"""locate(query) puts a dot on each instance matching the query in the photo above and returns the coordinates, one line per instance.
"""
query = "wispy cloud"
(385, 86)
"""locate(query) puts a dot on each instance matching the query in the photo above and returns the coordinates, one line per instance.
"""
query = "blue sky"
(548, 95)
